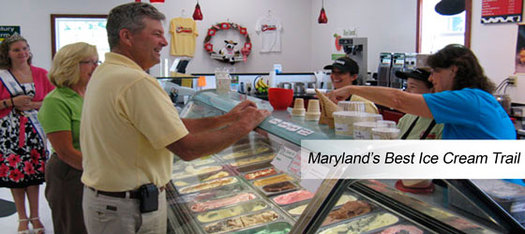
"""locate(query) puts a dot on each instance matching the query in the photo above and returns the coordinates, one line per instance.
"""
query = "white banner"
(412, 159)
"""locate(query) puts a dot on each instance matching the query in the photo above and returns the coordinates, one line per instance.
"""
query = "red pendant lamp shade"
(322, 16)
(156, 1)
(197, 14)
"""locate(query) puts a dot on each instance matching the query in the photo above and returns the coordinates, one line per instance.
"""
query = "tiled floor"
(9, 224)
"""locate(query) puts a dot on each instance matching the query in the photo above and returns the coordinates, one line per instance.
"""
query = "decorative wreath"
(244, 52)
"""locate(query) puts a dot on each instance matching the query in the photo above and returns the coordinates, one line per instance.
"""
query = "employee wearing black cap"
(344, 73)
(413, 126)
(462, 99)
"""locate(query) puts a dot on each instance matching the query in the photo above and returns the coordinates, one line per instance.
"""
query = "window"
(435, 31)
(67, 29)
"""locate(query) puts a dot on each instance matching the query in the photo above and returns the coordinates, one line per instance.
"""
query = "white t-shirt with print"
(269, 27)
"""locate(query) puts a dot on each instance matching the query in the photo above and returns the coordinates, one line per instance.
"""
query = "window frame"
(54, 18)
(468, 24)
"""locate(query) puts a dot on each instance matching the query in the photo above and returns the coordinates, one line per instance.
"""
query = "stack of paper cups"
(298, 107)
(314, 112)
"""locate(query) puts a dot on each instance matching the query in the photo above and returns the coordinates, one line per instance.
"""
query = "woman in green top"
(60, 117)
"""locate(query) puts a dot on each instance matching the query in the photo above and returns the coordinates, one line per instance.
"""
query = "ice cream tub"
(242, 222)
(208, 185)
(248, 151)
(222, 202)
(363, 130)
(231, 211)
(278, 188)
(297, 209)
(272, 180)
(259, 173)
(383, 133)
(221, 192)
(253, 167)
(293, 197)
(192, 171)
(349, 210)
(277, 227)
(362, 224)
(253, 160)
(179, 183)
(181, 164)
(406, 228)
(344, 121)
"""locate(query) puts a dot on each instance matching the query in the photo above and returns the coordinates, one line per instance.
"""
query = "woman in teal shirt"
(60, 117)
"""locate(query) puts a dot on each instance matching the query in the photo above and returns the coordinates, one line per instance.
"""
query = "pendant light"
(322, 16)
(450, 7)
(197, 14)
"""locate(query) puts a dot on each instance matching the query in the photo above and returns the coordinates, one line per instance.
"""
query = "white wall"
(33, 17)
(495, 46)
(390, 25)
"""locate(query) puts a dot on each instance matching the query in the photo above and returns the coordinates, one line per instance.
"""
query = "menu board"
(501, 11)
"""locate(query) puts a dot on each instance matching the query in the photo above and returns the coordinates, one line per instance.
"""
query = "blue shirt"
(470, 114)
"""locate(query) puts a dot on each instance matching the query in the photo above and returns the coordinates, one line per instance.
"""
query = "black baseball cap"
(344, 64)
(418, 74)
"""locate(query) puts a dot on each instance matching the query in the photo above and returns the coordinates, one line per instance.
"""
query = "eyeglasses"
(90, 62)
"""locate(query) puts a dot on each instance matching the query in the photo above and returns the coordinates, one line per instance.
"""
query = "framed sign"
(69, 28)
(6, 31)
(501, 11)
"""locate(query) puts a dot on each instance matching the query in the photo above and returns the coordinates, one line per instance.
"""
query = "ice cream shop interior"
(327, 70)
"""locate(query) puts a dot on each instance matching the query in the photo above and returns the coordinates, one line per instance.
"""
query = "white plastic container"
(351, 106)
(363, 130)
(383, 133)
(222, 82)
(344, 121)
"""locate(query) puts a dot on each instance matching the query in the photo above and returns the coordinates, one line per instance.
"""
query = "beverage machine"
(389, 63)
(398, 64)
(383, 72)
(356, 48)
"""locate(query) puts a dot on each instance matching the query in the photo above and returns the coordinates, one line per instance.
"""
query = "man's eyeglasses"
(90, 62)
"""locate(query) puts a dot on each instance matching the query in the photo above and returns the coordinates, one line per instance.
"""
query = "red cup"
(279, 98)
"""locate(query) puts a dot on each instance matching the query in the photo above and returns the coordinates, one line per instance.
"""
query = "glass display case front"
(239, 190)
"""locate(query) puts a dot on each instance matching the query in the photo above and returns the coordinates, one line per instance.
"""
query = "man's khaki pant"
(105, 214)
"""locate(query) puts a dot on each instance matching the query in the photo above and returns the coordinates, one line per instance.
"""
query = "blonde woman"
(60, 117)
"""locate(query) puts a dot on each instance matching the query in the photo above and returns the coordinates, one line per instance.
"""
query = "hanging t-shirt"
(183, 34)
(269, 27)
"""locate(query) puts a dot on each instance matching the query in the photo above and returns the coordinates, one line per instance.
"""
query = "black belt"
(133, 194)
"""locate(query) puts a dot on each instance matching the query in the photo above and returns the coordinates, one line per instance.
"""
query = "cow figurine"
(229, 52)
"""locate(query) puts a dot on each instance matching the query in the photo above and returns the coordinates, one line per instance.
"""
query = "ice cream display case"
(240, 189)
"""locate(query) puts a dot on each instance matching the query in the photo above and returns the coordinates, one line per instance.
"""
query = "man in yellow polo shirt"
(129, 126)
